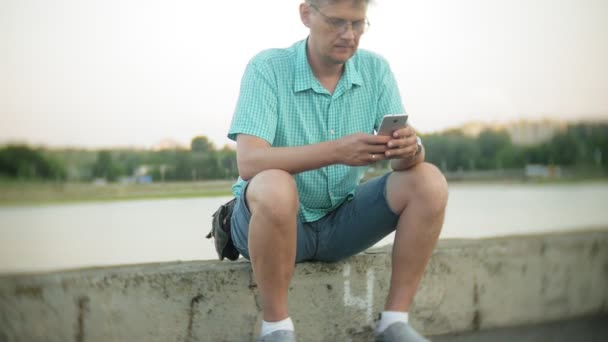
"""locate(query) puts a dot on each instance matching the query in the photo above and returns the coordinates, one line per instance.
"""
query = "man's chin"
(341, 58)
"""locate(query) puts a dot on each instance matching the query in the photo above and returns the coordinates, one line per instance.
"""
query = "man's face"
(335, 29)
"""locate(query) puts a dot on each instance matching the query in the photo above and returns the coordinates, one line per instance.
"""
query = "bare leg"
(420, 196)
(272, 199)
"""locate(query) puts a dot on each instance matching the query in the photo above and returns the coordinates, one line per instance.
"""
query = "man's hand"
(403, 148)
(402, 145)
(360, 149)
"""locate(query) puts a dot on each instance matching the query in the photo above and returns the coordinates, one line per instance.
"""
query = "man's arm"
(255, 154)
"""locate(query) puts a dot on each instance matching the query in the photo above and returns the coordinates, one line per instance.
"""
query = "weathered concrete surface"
(469, 285)
(587, 329)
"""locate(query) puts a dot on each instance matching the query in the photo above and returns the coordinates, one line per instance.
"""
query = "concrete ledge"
(469, 285)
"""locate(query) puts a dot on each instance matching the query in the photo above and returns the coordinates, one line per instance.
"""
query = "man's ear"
(305, 14)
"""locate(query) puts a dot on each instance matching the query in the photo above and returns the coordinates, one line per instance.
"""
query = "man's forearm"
(404, 164)
(290, 159)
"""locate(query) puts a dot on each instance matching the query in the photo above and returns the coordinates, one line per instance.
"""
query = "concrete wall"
(469, 285)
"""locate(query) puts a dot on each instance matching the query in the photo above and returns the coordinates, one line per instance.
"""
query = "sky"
(131, 73)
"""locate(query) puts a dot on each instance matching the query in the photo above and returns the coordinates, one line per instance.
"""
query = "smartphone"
(391, 123)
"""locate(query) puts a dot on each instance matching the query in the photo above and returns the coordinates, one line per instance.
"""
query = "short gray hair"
(323, 2)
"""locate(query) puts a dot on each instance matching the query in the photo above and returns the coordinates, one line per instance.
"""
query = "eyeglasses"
(339, 25)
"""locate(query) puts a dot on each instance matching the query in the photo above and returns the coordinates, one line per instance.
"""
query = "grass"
(31, 193)
(13, 193)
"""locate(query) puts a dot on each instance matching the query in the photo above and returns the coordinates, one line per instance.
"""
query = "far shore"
(33, 193)
(20, 193)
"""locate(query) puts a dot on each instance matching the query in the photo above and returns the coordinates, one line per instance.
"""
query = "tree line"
(202, 161)
(579, 145)
(583, 145)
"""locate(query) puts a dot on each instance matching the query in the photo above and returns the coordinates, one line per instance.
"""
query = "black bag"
(220, 231)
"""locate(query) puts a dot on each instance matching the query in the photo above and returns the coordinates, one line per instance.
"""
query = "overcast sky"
(134, 72)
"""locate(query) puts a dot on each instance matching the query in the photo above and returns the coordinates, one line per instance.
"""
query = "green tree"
(105, 167)
(227, 161)
(182, 168)
(201, 144)
(451, 151)
(23, 162)
(564, 149)
(491, 144)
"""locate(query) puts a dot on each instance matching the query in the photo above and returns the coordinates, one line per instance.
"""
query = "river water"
(53, 237)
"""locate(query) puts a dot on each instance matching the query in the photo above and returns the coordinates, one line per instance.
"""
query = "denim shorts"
(351, 228)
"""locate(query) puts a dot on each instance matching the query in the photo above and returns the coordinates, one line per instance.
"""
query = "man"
(304, 127)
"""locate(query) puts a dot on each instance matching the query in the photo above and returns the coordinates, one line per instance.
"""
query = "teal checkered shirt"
(283, 103)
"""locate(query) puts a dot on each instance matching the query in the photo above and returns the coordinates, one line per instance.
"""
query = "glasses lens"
(359, 26)
(341, 25)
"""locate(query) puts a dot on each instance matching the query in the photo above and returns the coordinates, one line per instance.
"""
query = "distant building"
(522, 132)
(142, 175)
(147, 179)
(534, 132)
(472, 129)
(542, 171)
(100, 182)
(169, 144)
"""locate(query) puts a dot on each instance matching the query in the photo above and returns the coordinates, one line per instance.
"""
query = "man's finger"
(377, 148)
(400, 143)
(376, 139)
(404, 152)
(403, 132)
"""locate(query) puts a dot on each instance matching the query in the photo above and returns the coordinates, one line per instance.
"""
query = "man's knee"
(426, 183)
(273, 193)
(431, 185)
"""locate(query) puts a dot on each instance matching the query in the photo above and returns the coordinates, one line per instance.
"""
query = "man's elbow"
(245, 175)
(246, 169)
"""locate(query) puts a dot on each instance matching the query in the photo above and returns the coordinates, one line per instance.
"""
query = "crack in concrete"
(253, 287)
(83, 309)
(193, 303)
(476, 323)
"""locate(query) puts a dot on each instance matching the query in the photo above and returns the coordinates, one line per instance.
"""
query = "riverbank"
(44, 193)
(29, 193)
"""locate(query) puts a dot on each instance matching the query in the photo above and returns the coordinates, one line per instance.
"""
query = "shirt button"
(332, 132)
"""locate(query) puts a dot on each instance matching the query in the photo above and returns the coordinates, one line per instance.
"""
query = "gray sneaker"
(278, 336)
(400, 332)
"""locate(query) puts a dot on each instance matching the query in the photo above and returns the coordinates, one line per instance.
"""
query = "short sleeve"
(389, 101)
(256, 109)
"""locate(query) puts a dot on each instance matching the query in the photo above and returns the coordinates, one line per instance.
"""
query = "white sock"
(270, 327)
(389, 317)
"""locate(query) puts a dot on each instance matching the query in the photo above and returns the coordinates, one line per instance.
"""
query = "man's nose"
(348, 32)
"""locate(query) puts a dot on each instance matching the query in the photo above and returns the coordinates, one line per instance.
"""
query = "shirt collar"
(351, 74)
(305, 79)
